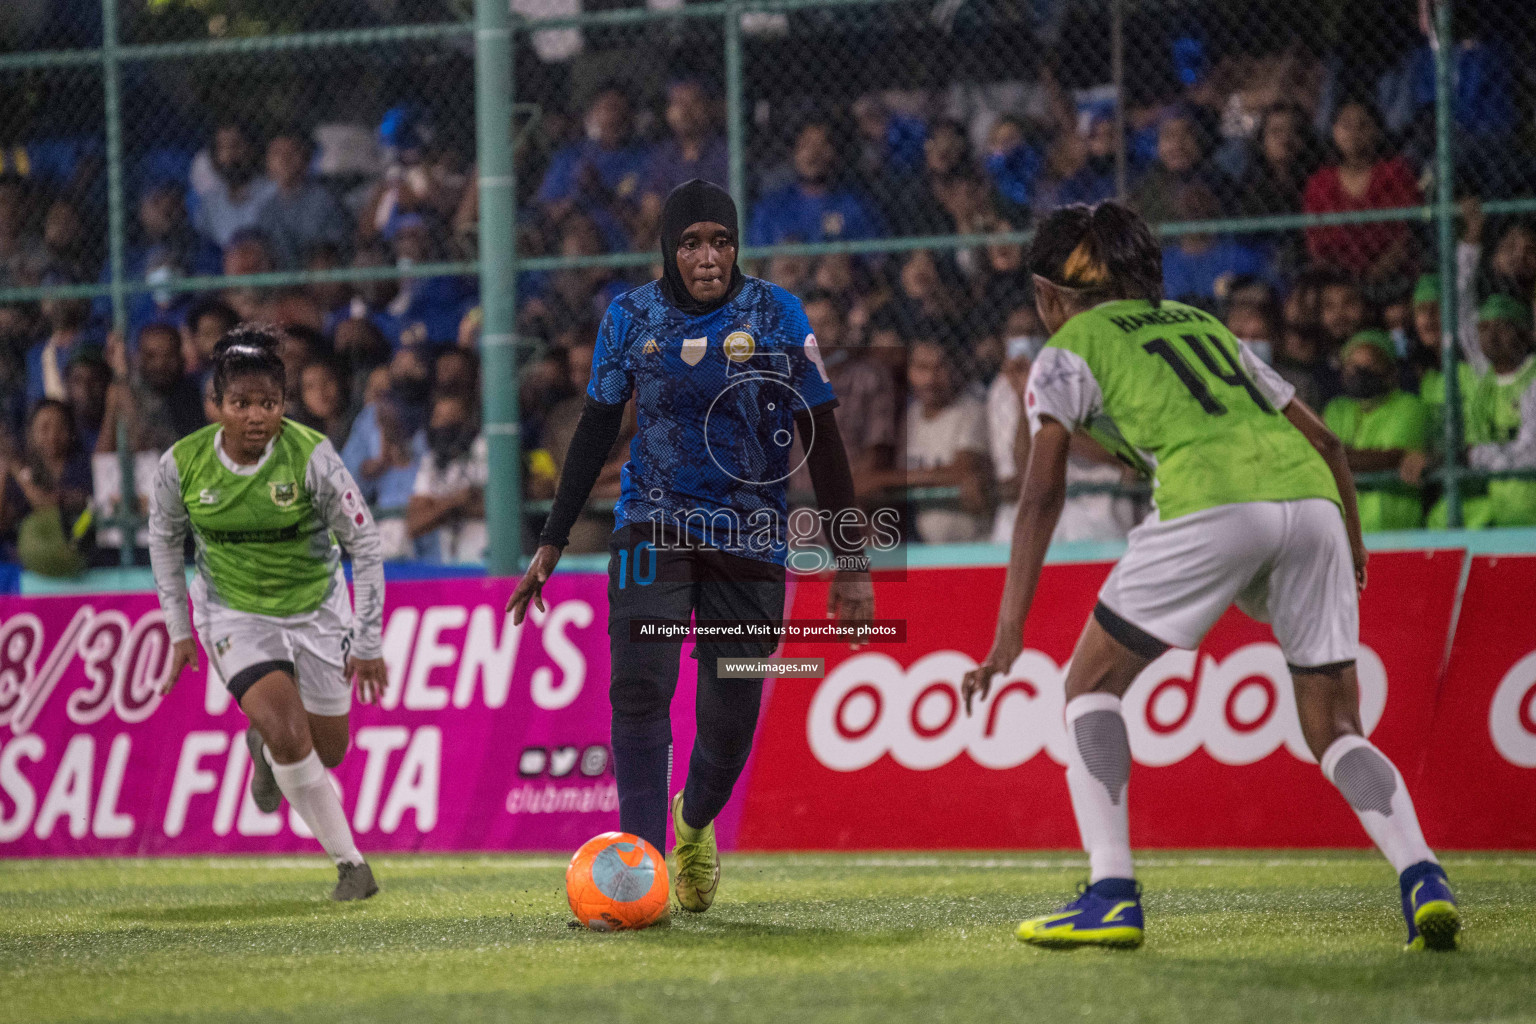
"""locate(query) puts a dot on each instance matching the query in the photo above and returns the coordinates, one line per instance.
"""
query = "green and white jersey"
(1501, 429)
(265, 535)
(1169, 390)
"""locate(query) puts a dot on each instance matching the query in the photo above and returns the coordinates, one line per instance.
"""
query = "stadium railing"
(118, 84)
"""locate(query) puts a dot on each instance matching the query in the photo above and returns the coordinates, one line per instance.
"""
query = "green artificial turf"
(1311, 936)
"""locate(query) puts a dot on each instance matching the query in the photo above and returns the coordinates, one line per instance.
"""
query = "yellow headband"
(1083, 271)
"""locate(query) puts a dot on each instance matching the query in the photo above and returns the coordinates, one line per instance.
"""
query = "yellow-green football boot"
(695, 862)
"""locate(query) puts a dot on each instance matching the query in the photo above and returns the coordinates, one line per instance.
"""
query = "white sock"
(307, 785)
(1375, 789)
(1098, 770)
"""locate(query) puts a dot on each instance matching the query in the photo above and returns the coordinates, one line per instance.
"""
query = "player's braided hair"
(1100, 253)
(246, 348)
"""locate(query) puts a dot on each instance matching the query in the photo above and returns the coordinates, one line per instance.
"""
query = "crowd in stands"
(929, 348)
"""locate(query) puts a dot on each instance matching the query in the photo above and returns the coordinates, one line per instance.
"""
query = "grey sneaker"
(264, 789)
(353, 882)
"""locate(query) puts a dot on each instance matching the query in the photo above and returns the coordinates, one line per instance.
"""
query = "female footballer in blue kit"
(723, 368)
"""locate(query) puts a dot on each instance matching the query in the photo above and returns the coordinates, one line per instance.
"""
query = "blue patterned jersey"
(716, 398)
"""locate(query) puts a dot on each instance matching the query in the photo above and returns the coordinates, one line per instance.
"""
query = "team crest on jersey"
(651, 348)
(284, 495)
(207, 496)
(693, 350)
(739, 346)
(221, 646)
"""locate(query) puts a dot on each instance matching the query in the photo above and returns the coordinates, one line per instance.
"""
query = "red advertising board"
(1479, 780)
(880, 754)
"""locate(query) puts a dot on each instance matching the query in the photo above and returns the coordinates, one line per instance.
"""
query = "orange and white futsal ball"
(617, 882)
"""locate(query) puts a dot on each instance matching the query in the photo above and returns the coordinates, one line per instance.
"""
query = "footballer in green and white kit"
(1254, 505)
(266, 501)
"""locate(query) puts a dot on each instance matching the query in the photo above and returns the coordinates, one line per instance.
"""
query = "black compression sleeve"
(832, 479)
(595, 433)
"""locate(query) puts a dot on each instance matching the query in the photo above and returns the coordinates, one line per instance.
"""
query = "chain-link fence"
(890, 157)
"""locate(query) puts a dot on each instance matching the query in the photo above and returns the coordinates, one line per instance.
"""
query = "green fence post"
(111, 79)
(1117, 74)
(494, 47)
(1445, 219)
(735, 126)
(112, 112)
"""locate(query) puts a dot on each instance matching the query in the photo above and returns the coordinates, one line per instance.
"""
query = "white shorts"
(243, 646)
(1282, 562)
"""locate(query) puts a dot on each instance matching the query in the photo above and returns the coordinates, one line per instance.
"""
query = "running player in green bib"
(1254, 504)
(266, 501)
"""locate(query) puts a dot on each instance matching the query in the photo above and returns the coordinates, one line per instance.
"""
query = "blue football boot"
(1429, 908)
(1106, 913)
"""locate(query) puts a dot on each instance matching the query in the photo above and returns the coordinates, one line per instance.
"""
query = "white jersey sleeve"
(1063, 388)
(339, 501)
(1274, 387)
(168, 526)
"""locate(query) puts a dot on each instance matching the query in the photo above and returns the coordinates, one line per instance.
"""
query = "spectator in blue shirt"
(1483, 81)
(816, 206)
(164, 248)
(86, 380)
(429, 308)
(1093, 181)
(69, 332)
(1197, 268)
(383, 452)
(235, 201)
(1013, 163)
(301, 212)
(372, 300)
(695, 149)
(605, 169)
(1485, 111)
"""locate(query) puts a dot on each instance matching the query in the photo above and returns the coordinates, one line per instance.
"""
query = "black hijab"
(695, 202)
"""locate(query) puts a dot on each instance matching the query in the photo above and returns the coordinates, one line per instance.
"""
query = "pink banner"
(491, 737)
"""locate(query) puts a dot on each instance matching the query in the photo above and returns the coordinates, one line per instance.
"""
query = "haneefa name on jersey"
(1130, 323)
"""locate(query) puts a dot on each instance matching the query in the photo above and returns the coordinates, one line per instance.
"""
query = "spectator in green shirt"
(1426, 324)
(1499, 424)
(1501, 427)
(1380, 424)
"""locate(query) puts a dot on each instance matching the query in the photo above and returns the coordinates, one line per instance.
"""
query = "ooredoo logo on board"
(1512, 714)
(1240, 709)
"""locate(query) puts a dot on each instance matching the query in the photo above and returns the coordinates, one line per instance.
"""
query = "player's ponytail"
(1100, 252)
(247, 349)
